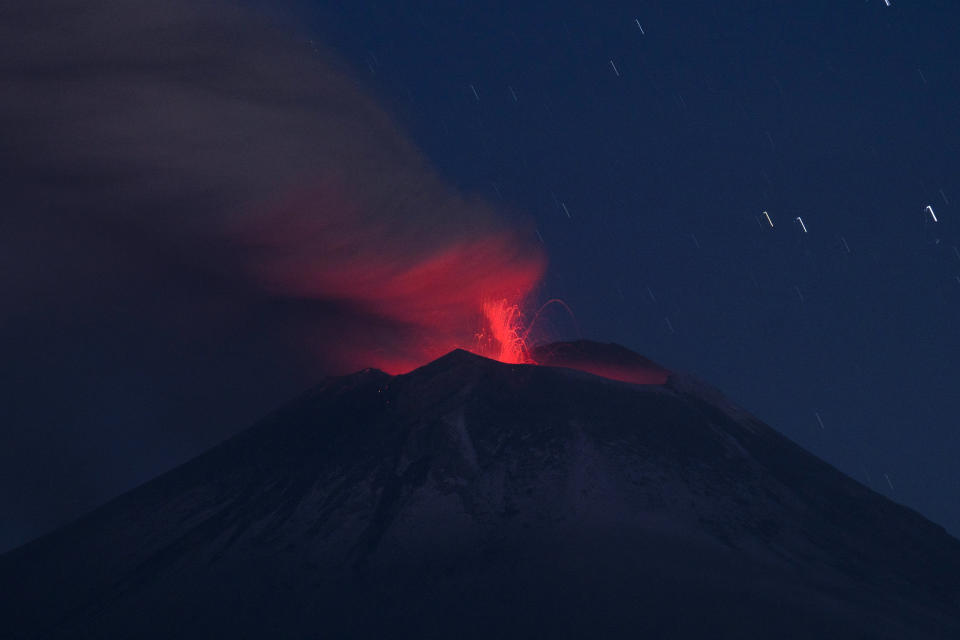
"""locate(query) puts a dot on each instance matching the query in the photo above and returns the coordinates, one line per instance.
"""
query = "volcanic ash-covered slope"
(472, 498)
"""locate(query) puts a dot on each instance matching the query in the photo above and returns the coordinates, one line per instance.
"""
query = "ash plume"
(194, 198)
(193, 129)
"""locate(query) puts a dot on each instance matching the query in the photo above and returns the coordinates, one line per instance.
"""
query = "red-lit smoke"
(225, 168)
(446, 273)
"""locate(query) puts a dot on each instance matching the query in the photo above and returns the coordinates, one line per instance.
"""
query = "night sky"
(152, 258)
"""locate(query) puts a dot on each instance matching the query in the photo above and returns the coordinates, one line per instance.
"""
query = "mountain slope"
(474, 498)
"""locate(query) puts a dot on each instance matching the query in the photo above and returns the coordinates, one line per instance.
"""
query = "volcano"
(472, 498)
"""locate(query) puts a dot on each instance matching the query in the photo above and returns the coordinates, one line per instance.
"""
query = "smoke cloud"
(192, 127)
(200, 211)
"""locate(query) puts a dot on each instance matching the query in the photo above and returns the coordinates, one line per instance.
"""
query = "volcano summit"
(471, 498)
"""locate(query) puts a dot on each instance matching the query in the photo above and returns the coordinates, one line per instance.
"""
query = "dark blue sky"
(645, 140)
(842, 113)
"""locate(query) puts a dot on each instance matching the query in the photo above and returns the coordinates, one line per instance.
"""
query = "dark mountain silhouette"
(471, 498)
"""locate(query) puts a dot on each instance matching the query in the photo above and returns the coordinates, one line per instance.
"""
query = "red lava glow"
(404, 292)
(410, 292)
(505, 338)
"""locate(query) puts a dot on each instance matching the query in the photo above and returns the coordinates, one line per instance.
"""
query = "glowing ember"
(507, 339)
(505, 336)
